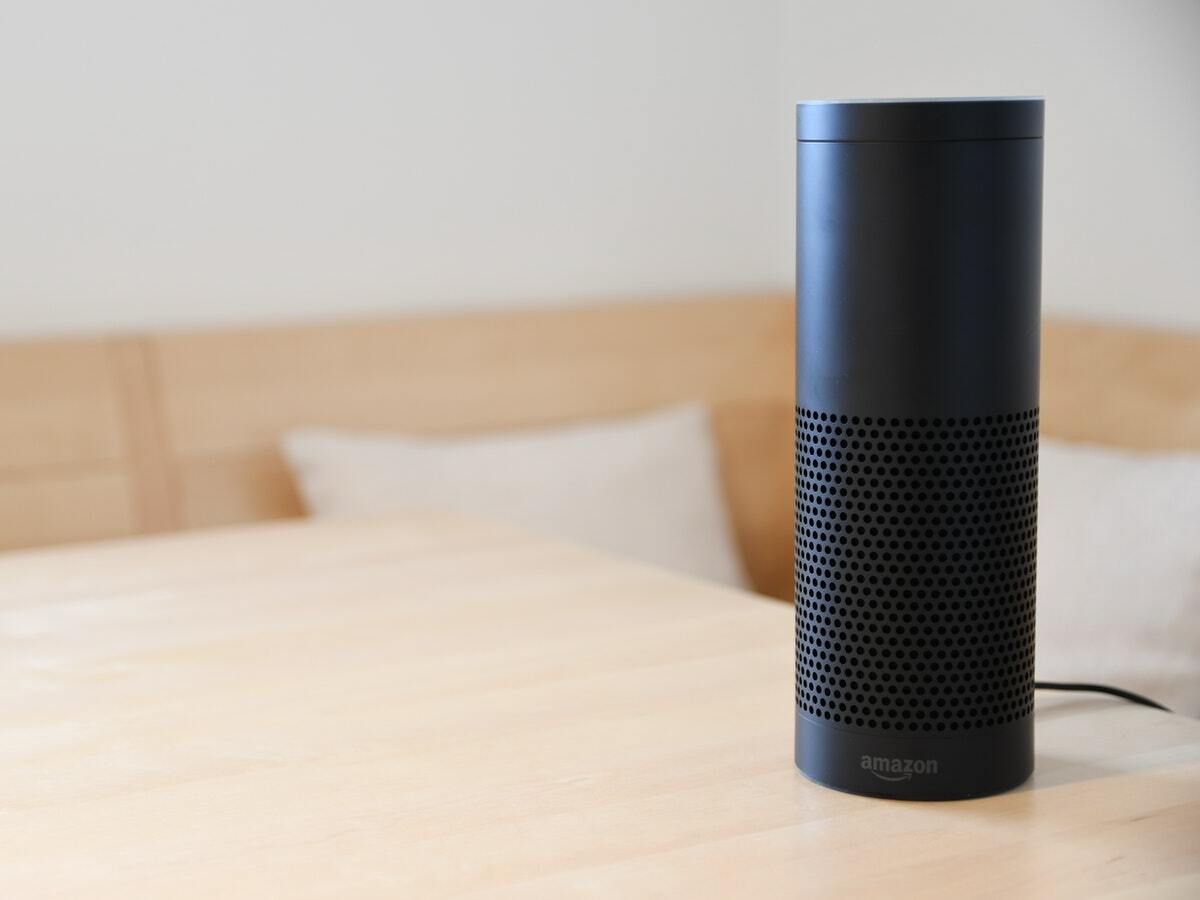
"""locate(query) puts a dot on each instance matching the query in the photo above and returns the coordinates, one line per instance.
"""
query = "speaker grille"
(915, 568)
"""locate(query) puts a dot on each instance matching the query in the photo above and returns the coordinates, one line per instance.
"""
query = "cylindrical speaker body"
(918, 271)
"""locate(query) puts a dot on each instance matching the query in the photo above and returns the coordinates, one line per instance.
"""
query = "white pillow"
(644, 486)
(1119, 570)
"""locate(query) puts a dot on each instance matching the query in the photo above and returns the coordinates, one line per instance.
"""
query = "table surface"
(429, 706)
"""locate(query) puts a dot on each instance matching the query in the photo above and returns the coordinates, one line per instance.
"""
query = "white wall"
(1121, 80)
(178, 163)
(174, 164)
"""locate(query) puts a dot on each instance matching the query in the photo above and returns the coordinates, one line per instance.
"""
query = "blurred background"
(533, 260)
(171, 164)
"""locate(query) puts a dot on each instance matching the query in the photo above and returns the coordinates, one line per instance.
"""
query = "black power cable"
(1098, 689)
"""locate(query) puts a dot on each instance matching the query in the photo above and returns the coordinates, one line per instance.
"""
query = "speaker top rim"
(921, 119)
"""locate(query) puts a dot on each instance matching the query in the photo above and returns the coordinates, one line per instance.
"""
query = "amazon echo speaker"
(918, 270)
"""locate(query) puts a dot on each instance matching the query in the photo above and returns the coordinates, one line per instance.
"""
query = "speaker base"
(910, 767)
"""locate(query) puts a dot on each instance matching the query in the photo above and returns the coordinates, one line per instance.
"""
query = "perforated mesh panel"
(915, 565)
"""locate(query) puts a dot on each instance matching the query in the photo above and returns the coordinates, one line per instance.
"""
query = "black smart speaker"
(918, 269)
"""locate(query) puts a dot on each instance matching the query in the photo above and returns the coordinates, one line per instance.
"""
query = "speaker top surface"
(929, 119)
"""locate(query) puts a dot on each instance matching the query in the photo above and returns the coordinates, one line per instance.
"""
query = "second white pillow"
(1119, 570)
(646, 486)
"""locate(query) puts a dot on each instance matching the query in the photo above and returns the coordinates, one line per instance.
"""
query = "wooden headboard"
(157, 432)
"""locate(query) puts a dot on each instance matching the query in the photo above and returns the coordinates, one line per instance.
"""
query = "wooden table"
(429, 707)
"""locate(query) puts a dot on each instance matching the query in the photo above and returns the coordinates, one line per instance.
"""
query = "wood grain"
(1120, 385)
(486, 371)
(243, 488)
(63, 444)
(148, 457)
(83, 503)
(192, 420)
(469, 372)
(59, 405)
(429, 707)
